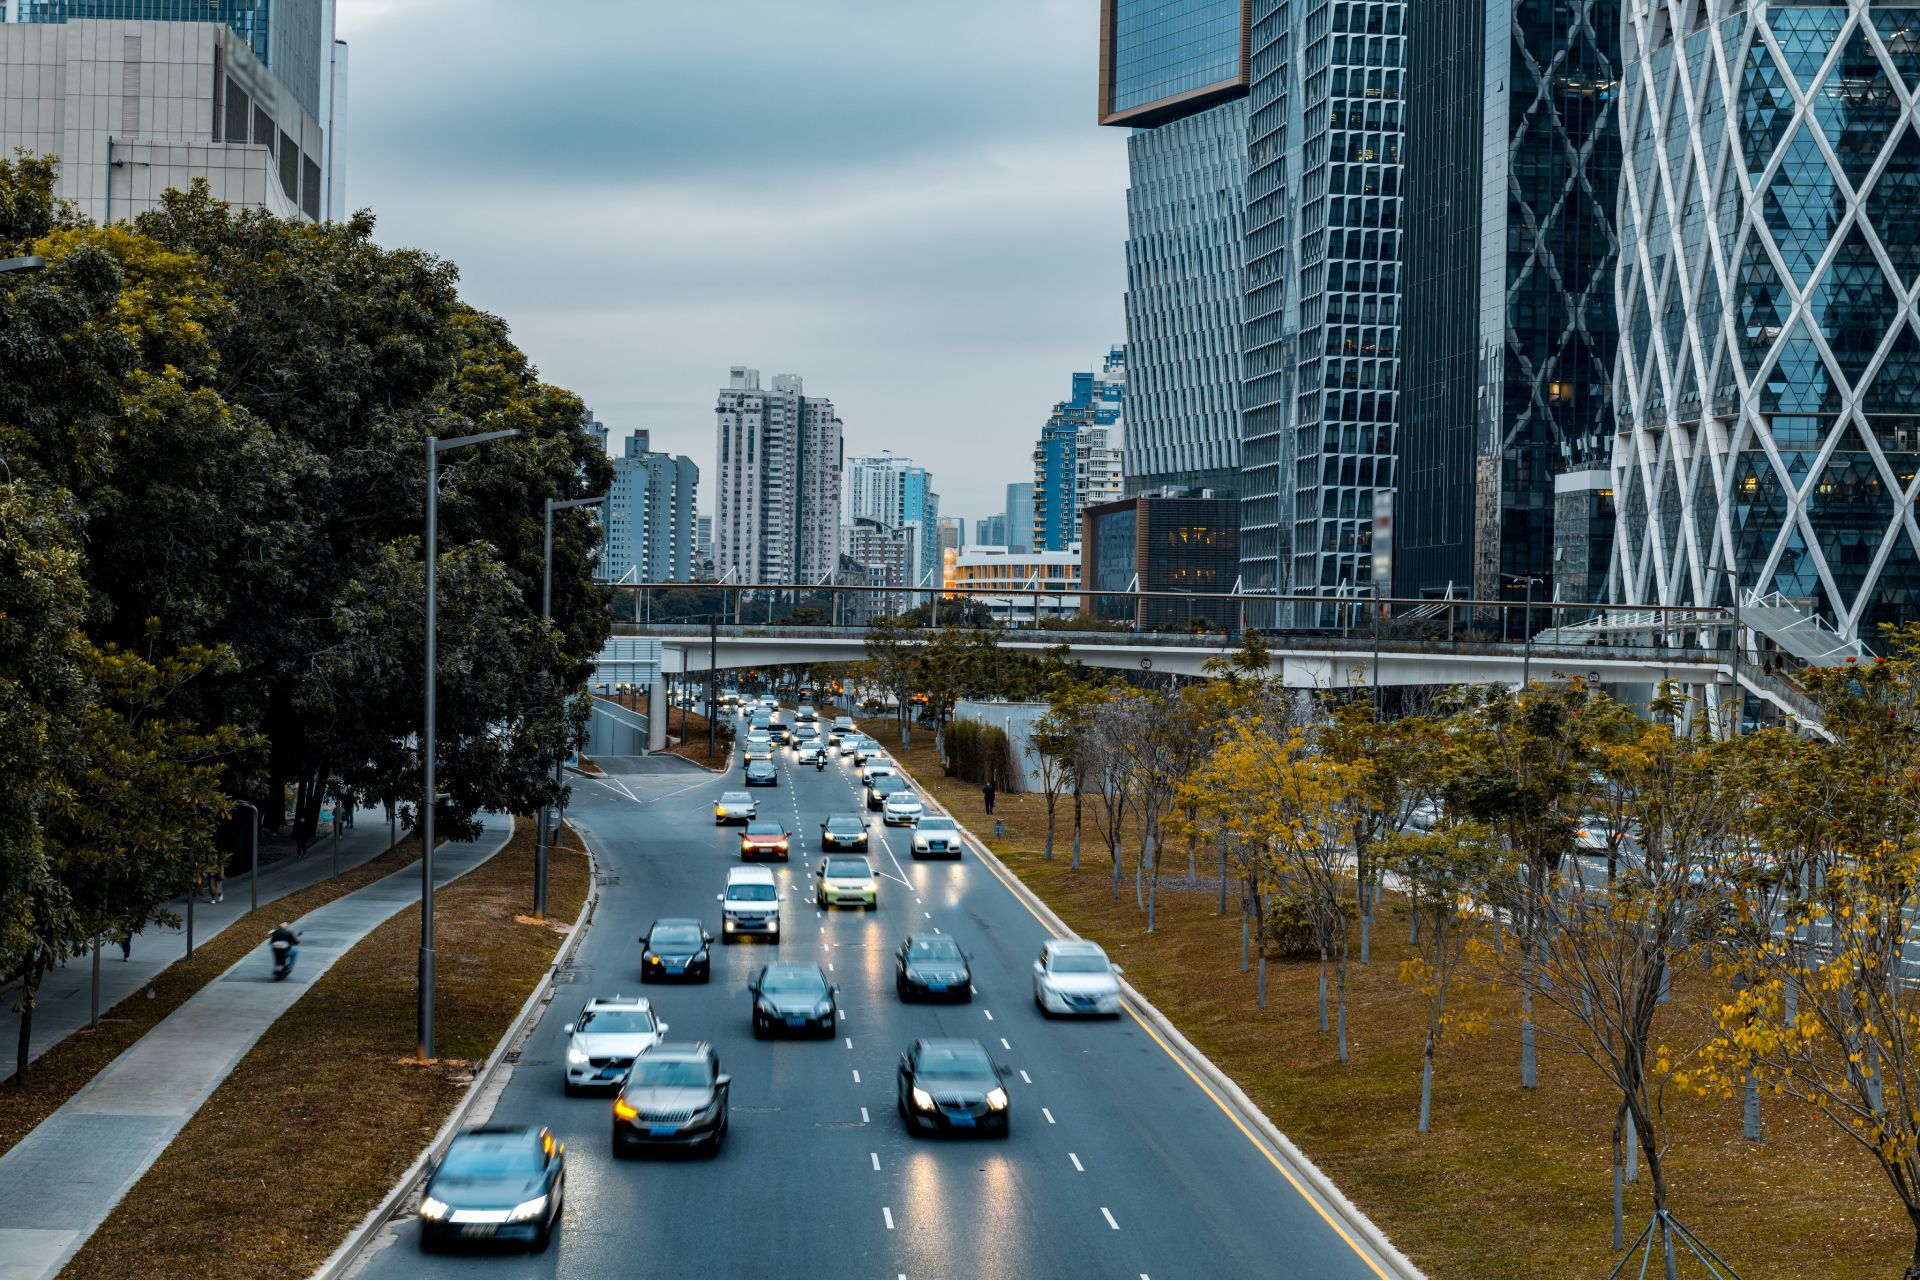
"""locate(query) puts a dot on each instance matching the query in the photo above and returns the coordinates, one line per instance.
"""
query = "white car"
(867, 751)
(937, 834)
(808, 753)
(876, 767)
(749, 905)
(902, 809)
(609, 1035)
(1074, 976)
(854, 742)
(758, 747)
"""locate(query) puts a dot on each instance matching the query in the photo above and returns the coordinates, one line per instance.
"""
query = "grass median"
(59, 1073)
(321, 1117)
(1510, 1182)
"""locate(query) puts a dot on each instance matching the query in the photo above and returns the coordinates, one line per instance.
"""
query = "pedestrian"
(126, 943)
(987, 792)
(217, 884)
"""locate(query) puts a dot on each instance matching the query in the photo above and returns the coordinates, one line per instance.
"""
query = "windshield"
(601, 1022)
(950, 1064)
(939, 949)
(844, 824)
(793, 983)
(676, 936)
(492, 1157)
(888, 783)
(669, 1073)
(848, 867)
(750, 893)
(902, 798)
(937, 824)
(764, 828)
(758, 738)
(1084, 963)
(735, 798)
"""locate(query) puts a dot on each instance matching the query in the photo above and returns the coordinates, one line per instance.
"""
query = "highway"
(1119, 1164)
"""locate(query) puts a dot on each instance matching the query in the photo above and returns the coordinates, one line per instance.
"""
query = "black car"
(675, 1097)
(932, 966)
(843, 832)
(495, 1183)
(762, 774)
(950, 1085)
(779, 730)
(794, 997)
(879, 789)
(677, 947)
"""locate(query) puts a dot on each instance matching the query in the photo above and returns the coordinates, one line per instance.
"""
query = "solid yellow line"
(1207, 1090)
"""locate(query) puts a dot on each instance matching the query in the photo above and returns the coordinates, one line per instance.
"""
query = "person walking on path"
(987, 793)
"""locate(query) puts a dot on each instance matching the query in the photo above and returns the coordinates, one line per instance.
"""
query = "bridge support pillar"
(657, 715)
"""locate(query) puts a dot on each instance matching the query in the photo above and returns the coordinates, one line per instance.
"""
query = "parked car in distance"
(735, 807)
(951, 1085)
(604, 1040)
(750, 904)
(932, 967)
(675, 1097)
(1073, 976)
(937, 834)
(495, 1183)
(676, 947)
(843, 832)
(794, 997)
(764, 838)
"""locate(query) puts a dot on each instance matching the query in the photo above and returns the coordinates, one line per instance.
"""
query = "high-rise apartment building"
(1321, 345)
(703, 547)
(1768, 384)
(651, 513)
(1512, 166)
(991, 532)
(1175, 72)
(893, 491)
(1077, 460)
(777, 507)
(1019, 531)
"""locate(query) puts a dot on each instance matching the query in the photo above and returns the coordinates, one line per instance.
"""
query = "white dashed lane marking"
(1108, 1216)
(1048, 1115)
(1076, 1163)
(1024, 1078)
(886, 1212)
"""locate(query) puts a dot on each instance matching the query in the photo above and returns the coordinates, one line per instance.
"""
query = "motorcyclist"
(820, 761)
(286, 945)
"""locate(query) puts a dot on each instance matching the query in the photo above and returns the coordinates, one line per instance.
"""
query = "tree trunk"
(1051, 803)
(1750, 1113)
(1223, 880)
(1633, 1154)
(1659, 1174)
(1913, 1264)
(1366, 937)
(1140, 873)
(1153, 901)
(1413, 929)
(1076, 829)
(29, 988)
(1261, 982)
(1246, 930)
(1323, 988)
(1619, 1182)
(1426, 1085)
(1529, 1069)
(1340, 984)
(1114, 849)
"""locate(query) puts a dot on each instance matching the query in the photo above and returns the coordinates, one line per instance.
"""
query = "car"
(808, 754)
(843, 832)
(937, 834)
(952, 1085)
(735, 807)
(757, 747)
(495, 1183)
(867, 751)
(852, 743)
(1073, 976)
(779, 732)
(846, 881)
(932, 967)
(794, 997)
(764, 838)
(875, 768)
(676, 947)
(675, 1097)
(806, 712)
(801, 735)
(881, 788)
(901, 809)
(842, 726)
(603, 1041)
(761, 774)
(750, 904)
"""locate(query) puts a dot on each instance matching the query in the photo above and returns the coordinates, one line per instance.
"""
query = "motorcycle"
(820, 761)
(283, 954)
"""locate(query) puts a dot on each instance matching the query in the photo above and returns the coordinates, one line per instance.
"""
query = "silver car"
(1074, 976)
(902, 809)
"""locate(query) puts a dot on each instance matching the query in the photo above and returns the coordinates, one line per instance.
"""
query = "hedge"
(980, 754)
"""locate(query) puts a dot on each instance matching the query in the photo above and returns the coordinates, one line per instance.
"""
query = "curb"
(358, 1241)
(1314, 1184)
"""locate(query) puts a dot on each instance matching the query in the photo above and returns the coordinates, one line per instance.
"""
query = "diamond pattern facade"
(1799, 204)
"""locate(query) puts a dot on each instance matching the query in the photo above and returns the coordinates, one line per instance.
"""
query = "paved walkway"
(59, 1183)
(65, 1003)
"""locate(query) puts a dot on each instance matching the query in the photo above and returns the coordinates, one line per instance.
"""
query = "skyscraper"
(1019, 531)
(1176, 73)
(777, 509)
(1321, 346)
(892, 490)
(651, 513)
(1768, 385)
(1513, 163)
(1077, 462)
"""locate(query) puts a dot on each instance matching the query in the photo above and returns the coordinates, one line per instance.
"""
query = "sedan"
(951, 1085)
(795, 997)
(881, 788)
(764, 839)
(1074, 976)
(933, 967)
(846, 882)
(878, 767)
(937, 834)
(853, 743)
(867, 751)
(843, 832)
(676, 1097)
(495, 1183)
(610, 1033)
(758, 747)
(901, 809)
(762, 774)
(735, 807)
(677, 947)
(808, 754)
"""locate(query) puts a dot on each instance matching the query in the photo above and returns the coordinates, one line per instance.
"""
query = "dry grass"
(322, 1116)
(58, 1074)
(687, 736)
(1510, 1182)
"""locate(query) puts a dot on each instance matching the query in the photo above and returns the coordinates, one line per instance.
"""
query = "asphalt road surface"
(1118, 1165)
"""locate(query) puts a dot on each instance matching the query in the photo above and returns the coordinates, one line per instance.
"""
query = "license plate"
(961, 1121)
(608, 1074)
(793, 1022)
(477, 1229)
(662, 1131)
(936, 987)
(676, 969)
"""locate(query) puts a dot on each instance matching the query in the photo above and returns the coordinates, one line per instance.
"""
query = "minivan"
(750, 904)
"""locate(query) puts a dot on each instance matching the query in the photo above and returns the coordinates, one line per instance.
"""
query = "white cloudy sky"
(905, 201)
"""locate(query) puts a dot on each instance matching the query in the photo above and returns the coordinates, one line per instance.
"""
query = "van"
(750, 904)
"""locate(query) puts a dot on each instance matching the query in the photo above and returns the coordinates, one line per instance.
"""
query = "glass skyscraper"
(1075, 465)
(1769, 378)
(1163, 59)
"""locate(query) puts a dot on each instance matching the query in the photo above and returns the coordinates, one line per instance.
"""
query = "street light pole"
(10, 265)
(253, 854)
(540, 837)
(713, 675)
(1526, 660)
(430, 787)
(1733, 663)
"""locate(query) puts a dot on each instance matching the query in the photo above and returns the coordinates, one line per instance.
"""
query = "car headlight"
(433, 1208)
(576, 1056)
(922, 1100)
(997, 1099)
(719, 811)
(727, 924)
(652, 959)
(871, 887)
(780, 845)
(823, 1009)
(528, 1210)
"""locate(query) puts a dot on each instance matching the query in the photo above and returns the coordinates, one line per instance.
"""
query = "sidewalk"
(59, 1183)
(65, 1000)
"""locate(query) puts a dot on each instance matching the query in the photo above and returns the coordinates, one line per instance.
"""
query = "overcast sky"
(904, 201)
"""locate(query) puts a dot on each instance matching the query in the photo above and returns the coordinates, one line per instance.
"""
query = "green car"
(846, 882)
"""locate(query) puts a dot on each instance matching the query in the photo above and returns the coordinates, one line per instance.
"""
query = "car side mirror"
(722, 1081)
(568, 1029)
(903, 1060)
(1002, 1070)
(719, 898)
(1039, 968)
(705, 937)
(1119, 969)
(559, 1150)
(663, 1027)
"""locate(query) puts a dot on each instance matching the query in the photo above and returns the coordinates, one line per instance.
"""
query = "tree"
(1050, 744)
(1156, 737)
(893, 663)
(1393, 768)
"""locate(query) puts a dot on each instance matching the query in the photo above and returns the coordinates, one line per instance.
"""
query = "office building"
(1018, 587)
(1768, 385)
(777, 506)
(875, 553)
(1512, 171)
(1019, 532)
(703, 548)
(651, 512)
(1321, 343)
(953, 533)
(1155, 543)
(891, 490)
(1077, 460)
(991, 532)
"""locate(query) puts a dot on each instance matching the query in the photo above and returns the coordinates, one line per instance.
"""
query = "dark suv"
(675, 1097)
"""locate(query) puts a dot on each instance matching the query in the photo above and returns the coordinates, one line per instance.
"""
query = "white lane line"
(886, 1212)
(936, 929)
(849, 1043)
(829, 967)
(864, 1118)
(918, 900)
(1048, 1115)
(856, 1076)
(989, 1014)
(971, 988)
(1108, 1216)
(928, 915)
(876, 1159)
(1076, 1163)
(1004, 1045)
(1024, 1078)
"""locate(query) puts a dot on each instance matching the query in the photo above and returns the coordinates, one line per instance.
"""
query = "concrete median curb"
(1379, 1251)
(342, 1260)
